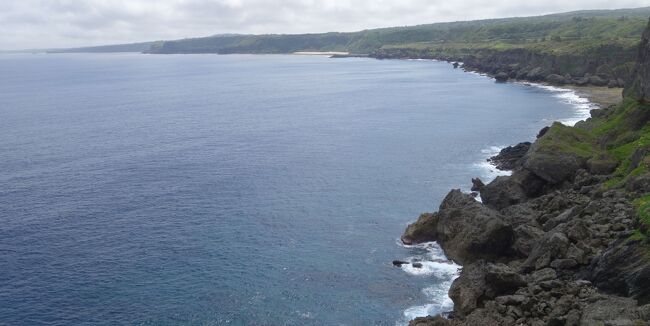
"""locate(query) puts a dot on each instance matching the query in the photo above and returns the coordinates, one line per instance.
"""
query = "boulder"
(560, 153)
(423, 230)
(468, 230)
(552, 246)
(399, 263)
(511, 157)
(611, 311)
(624, 269)
(602, 164)
(477, 184)
(505, 191)
(480, 281)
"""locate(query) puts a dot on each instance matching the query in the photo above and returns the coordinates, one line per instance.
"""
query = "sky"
(28, 24)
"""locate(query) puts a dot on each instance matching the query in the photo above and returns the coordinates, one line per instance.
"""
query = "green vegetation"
(566, 32)
(562, 139)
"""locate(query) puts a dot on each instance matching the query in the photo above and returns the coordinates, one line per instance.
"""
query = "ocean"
(239, 189)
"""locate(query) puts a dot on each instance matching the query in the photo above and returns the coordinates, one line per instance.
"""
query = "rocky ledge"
(548, 245)
(564, 240)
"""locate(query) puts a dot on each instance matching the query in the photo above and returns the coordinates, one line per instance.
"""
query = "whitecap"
(581, 104)
(435, 264)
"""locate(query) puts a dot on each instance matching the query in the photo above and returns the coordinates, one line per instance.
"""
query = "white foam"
(581, 104)
(434, 263)
(487, 171)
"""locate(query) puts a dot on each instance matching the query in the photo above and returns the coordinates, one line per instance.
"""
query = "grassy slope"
(622, 132)
(622, 26)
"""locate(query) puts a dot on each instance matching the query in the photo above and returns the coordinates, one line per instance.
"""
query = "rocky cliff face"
(604, 66)
(564, 240)
(638, 85)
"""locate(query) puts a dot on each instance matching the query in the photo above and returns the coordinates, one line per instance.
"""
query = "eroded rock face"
(638, 86)
(425, 229)
(468, 230)
(511, 157)
(505, 191)
(623, 270)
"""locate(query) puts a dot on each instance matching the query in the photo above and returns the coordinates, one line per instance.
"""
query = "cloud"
(68, 23)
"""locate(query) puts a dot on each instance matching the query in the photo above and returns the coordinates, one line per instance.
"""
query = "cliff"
(564, 239)
(639, 83)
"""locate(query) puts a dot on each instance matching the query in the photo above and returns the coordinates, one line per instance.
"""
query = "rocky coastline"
(598, 69)
(564, 239)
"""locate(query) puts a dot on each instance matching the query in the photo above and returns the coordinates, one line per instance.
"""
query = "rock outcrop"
(564, 240)
(638, 85)
(511, 157)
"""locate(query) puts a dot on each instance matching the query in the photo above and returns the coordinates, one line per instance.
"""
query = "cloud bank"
(70, 23)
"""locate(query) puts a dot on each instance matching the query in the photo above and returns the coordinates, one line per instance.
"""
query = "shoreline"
(594, 97)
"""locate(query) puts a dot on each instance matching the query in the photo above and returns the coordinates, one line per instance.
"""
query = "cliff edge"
(564, 239)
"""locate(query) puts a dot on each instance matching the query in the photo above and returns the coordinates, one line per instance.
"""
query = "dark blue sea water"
(262, 190)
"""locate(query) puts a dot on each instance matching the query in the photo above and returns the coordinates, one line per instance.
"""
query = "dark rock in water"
(623, 269)
(464, 228)
(638, 85)
(510, 157)
(502, 77)
(543, 131)
(417, 265)
(477, 184)
(423, 230)
(399, 263)
(430, 321)
(456, 64)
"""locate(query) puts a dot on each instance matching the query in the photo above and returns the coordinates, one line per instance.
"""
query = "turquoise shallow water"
(265, 190)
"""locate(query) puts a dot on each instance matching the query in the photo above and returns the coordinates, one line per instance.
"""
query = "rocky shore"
(564, 239)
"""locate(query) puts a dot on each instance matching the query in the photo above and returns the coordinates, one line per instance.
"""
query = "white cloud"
(67, 23)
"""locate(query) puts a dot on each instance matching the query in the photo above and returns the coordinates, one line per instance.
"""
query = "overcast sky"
(69, 23)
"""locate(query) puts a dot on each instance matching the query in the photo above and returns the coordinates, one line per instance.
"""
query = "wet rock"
(468, 230)
(511, 157)
(417, 265)
(399, 263)
(424, 230)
